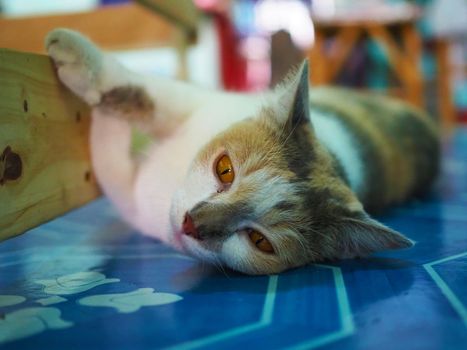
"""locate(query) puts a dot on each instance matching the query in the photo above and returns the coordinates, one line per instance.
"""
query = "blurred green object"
(140, 142)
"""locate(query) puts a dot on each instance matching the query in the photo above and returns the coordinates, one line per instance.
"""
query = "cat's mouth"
(194, 248)
(188, 240)
(178, 241)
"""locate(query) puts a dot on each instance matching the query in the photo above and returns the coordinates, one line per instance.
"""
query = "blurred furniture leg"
(328, 57)
(445, 100)
(412, 44)
(317, 58)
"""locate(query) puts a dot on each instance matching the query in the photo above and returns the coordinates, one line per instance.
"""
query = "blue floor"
(87, 281)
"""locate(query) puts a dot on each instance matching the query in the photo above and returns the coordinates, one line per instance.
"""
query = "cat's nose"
(189, 227)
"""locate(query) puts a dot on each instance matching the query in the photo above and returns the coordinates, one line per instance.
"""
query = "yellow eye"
(260, 241)
(224, 170)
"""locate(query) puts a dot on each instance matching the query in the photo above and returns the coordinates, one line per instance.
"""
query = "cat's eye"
(260, 241)
(225, 170)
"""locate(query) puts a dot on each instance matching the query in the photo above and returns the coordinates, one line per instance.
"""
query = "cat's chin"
(177, 241)
(193, 248)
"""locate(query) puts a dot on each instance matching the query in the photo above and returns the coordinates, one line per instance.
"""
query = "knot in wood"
(11, 166)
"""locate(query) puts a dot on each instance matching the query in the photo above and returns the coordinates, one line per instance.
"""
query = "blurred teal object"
(460, 95)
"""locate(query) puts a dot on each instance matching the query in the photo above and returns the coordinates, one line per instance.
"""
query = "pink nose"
(189, 227)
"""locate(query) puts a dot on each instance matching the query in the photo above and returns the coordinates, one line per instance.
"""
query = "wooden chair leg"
(318, 72)
(445, 101)
(326, 64)
(413, 50)
(404, 67)
(342, 47)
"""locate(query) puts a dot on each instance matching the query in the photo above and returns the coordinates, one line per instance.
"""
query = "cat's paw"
(78, 61)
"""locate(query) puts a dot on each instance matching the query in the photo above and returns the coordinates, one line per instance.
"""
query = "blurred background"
(413, 49)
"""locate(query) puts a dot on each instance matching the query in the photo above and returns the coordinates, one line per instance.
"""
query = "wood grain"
(119, 27)
(181, 12)
(47, 128)
(445, 98)
(404, 65)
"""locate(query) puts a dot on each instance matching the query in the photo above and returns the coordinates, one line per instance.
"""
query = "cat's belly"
(159, 178)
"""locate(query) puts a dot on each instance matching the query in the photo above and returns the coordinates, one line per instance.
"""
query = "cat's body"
(296, 180)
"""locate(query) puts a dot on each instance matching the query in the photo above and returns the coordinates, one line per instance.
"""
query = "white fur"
(167, 185)
(236, 251)
(155, 194)
(332, 133)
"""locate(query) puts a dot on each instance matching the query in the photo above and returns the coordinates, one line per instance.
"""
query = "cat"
(260, 183)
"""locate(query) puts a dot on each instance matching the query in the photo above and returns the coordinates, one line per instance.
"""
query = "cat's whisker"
(220, 266)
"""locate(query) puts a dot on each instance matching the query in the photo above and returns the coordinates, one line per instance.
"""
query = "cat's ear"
(358, 237)
(295, 99)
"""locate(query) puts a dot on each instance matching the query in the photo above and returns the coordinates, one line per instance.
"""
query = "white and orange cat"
(260, 183)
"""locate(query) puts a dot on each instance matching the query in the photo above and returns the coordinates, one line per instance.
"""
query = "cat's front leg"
(157, 104)
(79, 63)
(98, 80)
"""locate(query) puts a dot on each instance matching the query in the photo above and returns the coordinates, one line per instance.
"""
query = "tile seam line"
(452, 299)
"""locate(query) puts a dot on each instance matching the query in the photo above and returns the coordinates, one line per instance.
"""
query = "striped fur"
(397, 142)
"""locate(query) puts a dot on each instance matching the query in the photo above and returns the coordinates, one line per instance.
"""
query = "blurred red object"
(462, 116)
(233, 64)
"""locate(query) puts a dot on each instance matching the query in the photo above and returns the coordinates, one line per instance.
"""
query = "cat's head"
(264, 196)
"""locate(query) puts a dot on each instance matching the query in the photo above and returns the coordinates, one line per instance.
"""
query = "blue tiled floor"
(55, 283)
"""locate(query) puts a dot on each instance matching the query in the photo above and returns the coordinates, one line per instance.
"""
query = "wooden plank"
(401, 63)
(181, 12)
(413, 48)
(396, 57)
(318, 70)
(446, 108)
(45, 167)
(345, 41)
(371, 16)
(119, 27)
